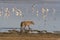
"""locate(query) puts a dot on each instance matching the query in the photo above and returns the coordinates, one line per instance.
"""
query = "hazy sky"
(53, 22)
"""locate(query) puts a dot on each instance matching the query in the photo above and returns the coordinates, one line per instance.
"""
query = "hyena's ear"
(32, 22)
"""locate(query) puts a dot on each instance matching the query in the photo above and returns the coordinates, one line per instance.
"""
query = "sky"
(13, 21)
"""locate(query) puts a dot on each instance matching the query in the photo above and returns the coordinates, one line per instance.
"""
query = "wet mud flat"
(28, 36)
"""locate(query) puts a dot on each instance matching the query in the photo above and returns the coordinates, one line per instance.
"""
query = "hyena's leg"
(29, 27)
(21, 29)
